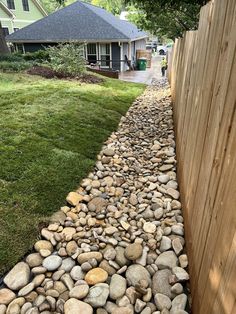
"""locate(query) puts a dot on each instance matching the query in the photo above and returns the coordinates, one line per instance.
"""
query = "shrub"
(9, 66)
(11, 57)
(67, 58)
(38, 56)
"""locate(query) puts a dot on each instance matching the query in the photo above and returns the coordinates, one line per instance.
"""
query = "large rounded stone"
(84, 257)
(120, 257)
(98, 295)
(166, 260)
(77, 273)
(96, 275)
(98, 203)
(136, 273)
(117, 287)
(18, 277)
(79, 292)
(52, 262)
(133, 251)
(34, 260)
(162, 301)
(43, 245)
(74, 306)
(160, 282)
(6, 296)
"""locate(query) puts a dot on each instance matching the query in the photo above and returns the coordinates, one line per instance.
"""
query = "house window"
(25, 4)
(5, 31)
(92, 53)
(105, 55)
(16, 29)
(11, 4)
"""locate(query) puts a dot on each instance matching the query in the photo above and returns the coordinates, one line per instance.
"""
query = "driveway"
(146, 77)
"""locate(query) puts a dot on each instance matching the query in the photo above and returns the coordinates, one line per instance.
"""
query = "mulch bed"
(49, 74)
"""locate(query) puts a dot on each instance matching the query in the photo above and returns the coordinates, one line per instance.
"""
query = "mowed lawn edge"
(50, 134)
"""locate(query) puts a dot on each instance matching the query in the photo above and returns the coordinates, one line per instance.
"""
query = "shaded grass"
(50, 134)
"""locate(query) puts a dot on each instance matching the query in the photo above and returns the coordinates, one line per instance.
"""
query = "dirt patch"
(49, 74)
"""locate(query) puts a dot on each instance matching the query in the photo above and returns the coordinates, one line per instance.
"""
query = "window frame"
(11, 4)
(4, 31)
(95, 54)
(106, 55)
(25, 5)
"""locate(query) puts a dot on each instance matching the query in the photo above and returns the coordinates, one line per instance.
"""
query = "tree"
(113, 6)
(167, 17)
(3, 45)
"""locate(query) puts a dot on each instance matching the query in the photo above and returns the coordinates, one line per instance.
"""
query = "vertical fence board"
(203, 84)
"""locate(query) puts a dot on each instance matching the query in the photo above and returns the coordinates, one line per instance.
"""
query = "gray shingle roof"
(79, 21)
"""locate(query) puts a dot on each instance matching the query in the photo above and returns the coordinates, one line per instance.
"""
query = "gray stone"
(180, 274)
(67, 264)
(166, 260)
(179, 302)
(160, 282)
(109, 152)
(98, 295)
(177, 246)
(52, 262)
(120, 256)
(158, 213)
(79, 292)
(117, 287)
(18, 277)
(139, 305)
(177, 288)
(178, 229)
(162, 301)
(165, 244)
(135, 273)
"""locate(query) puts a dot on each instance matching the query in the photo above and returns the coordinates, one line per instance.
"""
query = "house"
(16, 14)
(110, 41)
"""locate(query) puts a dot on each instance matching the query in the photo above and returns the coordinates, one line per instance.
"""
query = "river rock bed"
(118, 245)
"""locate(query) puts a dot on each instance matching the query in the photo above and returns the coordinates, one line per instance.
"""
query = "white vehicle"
(162, 50)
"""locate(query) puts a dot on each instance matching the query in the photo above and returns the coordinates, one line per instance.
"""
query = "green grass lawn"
(50, 134)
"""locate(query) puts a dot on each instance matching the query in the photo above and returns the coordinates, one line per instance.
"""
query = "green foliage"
(51, 132)
(53, 5)
(167, 17)
(67, 58)
(113, 6)
(38, 56)
(16, 66)
(11, 57)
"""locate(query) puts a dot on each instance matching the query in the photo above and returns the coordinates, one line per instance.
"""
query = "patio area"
(145, 77)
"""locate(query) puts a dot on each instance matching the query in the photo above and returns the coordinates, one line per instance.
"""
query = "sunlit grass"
(50, 134)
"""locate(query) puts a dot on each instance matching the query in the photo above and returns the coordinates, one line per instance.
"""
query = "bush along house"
(110, 42)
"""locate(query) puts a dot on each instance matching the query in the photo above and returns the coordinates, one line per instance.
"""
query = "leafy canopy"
(168, 18)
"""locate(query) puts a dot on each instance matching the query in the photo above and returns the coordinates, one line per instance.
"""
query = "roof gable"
(79, 21)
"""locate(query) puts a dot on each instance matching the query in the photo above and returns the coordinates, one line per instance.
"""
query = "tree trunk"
(3, 45)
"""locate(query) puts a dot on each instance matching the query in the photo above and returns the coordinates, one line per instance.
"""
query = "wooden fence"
(203, 83)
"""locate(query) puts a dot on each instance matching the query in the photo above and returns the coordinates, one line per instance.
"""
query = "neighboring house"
(16, 14)
(109, 40)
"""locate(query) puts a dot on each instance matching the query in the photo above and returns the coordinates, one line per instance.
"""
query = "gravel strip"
(118, 247)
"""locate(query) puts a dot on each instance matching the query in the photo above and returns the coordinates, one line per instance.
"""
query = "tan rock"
(18, 277)
(6, 296)
(96, 275)
(84, 257)
(43, 245)
(74, 198)
(74, 306)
